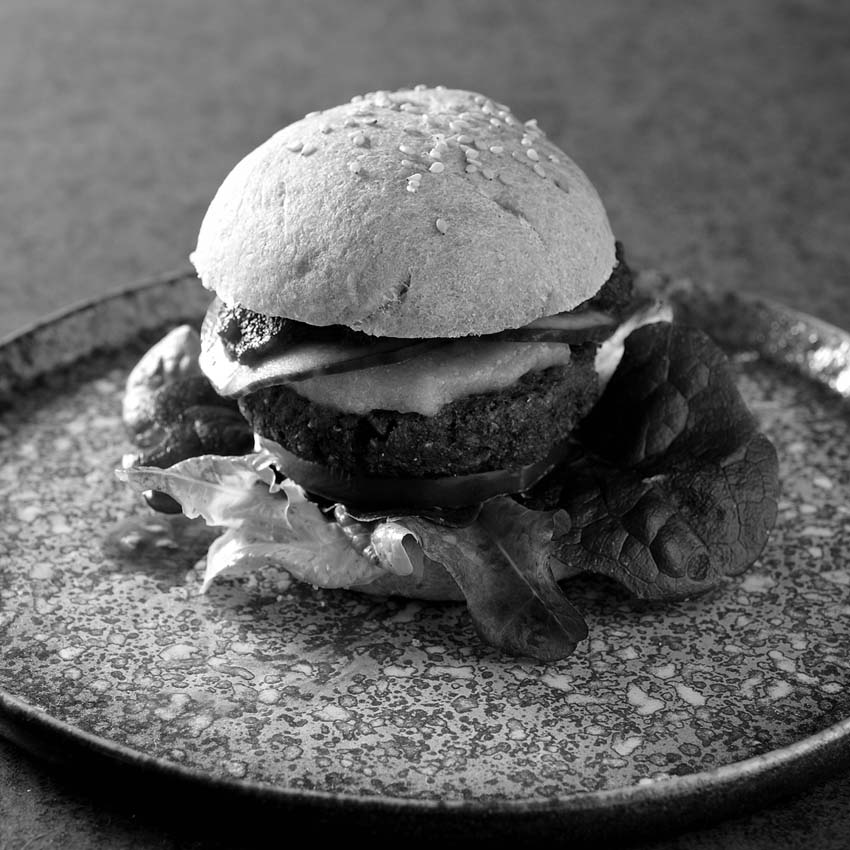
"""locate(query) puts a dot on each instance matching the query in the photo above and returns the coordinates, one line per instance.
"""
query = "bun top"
(425, 212)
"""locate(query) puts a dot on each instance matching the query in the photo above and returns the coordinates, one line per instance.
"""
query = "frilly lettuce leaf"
(223, 490)
(500, 561)
(395, 543)
(501, 564)
(265, 521)
(317, 553)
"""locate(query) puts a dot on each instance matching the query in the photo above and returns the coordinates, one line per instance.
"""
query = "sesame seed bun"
(426, 212)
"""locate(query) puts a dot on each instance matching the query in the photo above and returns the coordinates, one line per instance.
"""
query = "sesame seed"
(497, 149)
(437, 168)
(539, 169)
(532, 124)
(434, 153)
(495, 122)
(457, 126)
(464, 139)
(355, 167)
(370, 120)
(553, 158)
(419, 87)
(295, 146)
(527, 141)
(481, 144)
(360, 139)
(327, 129)
(532, 154)
(312, 114)
(471, 169)
(407, 149)
(471, 153)
(349, 122)
(441, 225)
(406, 163)
(506, 178)
(357, 98)
(308, 149)
(488, 173)
(517, 156)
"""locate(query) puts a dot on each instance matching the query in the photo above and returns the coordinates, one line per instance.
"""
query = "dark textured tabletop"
(716, 134)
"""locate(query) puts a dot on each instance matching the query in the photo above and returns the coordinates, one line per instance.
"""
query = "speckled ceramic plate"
(360, 707)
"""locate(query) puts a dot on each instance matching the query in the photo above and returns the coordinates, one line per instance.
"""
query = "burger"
(418, 307)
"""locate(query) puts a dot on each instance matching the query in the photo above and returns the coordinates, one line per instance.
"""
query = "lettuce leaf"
(501, 564)
(266, 521)
(223, 490)
(673, 487)
(317, 554)
(395, 545)
(500, 561)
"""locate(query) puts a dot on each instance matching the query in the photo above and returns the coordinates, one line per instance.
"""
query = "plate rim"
(834, 735)
(80, 305)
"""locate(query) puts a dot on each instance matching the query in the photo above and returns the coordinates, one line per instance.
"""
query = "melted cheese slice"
(426, 383)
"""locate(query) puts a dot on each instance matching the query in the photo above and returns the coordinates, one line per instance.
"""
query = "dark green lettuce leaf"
(171, 411)
(674, 486)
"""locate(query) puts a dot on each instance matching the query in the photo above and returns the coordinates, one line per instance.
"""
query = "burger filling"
(449, 408)
(503, 429)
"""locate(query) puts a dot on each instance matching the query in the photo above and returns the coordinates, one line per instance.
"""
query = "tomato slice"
(405, 495)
